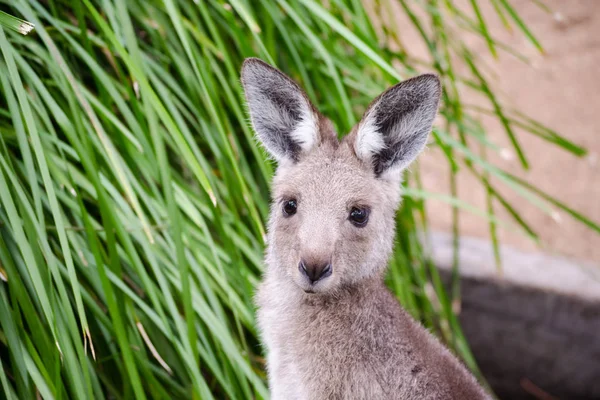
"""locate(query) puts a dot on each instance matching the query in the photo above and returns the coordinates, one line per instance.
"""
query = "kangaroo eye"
(289, 208)
(359, 216)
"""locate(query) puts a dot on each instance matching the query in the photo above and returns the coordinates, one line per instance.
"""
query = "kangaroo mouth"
(309, 291)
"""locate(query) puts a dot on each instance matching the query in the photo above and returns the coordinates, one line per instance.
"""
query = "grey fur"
(346, 336)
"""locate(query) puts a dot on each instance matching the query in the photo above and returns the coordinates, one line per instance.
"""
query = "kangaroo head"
(332, 216)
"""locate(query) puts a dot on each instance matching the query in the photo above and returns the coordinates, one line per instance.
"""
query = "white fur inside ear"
(305, 132)
(369, 140)
(393, 174)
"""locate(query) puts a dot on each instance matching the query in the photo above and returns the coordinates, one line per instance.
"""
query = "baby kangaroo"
(331, 327)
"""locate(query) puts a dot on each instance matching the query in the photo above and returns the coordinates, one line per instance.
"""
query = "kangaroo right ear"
(283, 118)
(396, 125)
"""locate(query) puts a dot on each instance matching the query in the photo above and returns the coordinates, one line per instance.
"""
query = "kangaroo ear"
(396, 125)
(282, 116)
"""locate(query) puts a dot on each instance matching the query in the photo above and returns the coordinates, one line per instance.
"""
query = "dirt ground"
(560, 88)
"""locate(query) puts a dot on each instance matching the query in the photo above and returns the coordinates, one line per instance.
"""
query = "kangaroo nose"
(315, 271)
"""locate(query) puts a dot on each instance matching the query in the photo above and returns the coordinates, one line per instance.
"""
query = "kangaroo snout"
(315, 271)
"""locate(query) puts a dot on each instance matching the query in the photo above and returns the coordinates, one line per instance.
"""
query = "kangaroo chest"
(329, 352)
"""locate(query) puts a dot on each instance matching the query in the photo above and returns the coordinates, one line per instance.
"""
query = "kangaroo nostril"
(302, 268)
(328, 270)
(315, 271)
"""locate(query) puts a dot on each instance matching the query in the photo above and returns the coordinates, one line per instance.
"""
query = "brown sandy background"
(561, 89)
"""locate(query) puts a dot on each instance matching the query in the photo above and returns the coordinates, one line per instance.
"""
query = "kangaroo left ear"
(283, 118)
(396, 125)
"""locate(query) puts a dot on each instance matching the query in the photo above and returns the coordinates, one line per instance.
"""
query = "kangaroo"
(332, 329)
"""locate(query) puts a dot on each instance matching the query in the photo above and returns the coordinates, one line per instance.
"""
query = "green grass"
(15, 24)
(133, 196)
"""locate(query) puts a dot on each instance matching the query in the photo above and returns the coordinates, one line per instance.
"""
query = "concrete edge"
(528, 269)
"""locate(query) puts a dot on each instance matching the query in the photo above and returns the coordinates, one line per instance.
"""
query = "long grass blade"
(16, 24)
